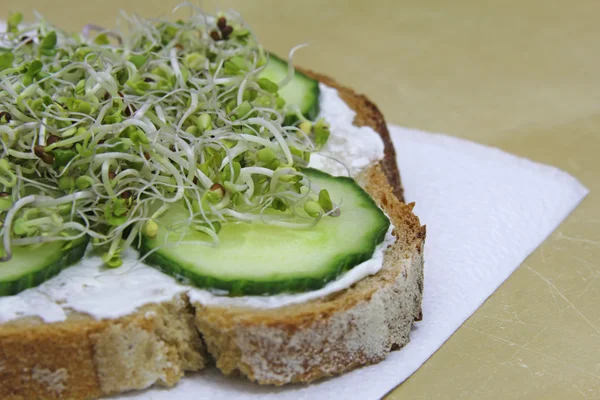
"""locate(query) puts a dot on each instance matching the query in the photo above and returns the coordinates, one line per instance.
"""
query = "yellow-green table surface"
(523, 75)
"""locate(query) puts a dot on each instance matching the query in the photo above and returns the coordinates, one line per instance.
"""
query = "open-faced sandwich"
(176, 197)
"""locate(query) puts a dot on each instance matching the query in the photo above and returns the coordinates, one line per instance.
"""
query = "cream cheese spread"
(102, 293)
(350, 149)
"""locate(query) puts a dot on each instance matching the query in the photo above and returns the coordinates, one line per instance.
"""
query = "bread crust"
(84, 358)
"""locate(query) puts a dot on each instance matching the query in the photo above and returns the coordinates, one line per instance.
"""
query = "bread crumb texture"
(83, 358)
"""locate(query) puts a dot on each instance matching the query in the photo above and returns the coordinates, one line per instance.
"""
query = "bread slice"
(84, 358)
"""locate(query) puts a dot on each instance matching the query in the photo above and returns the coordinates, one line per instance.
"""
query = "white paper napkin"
(485, 212)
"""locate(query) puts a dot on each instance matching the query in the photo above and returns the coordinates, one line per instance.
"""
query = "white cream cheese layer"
(350, 149)
(90, 288)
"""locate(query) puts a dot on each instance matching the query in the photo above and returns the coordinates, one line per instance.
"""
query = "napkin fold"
(485, 211)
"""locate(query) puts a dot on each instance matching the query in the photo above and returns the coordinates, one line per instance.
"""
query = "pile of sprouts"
(102, 132)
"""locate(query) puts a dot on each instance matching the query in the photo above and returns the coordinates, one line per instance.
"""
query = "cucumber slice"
(302, 91)
(255, 259)
(32, 265)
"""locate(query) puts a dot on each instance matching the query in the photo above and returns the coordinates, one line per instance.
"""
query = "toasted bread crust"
(83, 358)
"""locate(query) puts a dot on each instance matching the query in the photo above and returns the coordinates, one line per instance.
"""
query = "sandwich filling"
(176, 157)
(102, 293)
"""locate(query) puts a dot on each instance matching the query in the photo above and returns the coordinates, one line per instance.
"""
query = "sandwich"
(177, 198)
